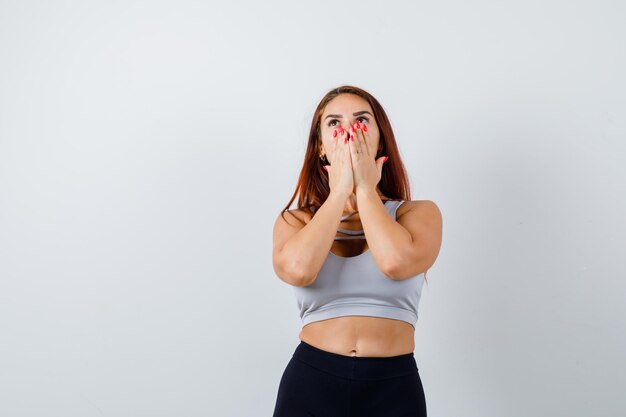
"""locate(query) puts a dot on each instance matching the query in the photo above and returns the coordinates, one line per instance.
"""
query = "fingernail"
(335, 133)
(365, 127)
(385, 160)
(326, 167)
(358, 125)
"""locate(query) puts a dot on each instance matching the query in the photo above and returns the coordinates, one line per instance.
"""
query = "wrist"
(341, 197)
(366, 191)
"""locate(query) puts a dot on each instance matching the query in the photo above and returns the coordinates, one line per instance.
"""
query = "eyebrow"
(354, 114)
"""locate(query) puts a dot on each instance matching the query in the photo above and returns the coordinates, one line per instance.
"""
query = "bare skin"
(363, 336)
(354, 335)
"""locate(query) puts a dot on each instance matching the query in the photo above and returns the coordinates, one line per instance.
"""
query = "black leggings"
(317, 383)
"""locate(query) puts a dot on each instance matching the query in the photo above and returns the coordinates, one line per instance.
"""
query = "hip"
(316, 382)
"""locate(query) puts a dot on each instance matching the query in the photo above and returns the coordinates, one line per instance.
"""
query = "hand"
(340, 177)
(367, 171)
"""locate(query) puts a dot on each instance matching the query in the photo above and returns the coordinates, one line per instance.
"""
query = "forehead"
(346, 104)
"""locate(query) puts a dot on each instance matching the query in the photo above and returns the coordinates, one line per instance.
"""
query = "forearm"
(308, 248)
(385, 237)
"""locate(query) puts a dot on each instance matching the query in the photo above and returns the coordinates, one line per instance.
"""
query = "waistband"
(361, 368)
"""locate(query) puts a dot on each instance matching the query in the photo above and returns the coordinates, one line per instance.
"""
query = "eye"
(330, 123)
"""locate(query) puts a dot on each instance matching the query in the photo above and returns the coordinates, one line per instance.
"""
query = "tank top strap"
(395, 207)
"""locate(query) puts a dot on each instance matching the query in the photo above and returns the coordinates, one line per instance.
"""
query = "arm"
(385, 237)
(298, 255)
(406, 247)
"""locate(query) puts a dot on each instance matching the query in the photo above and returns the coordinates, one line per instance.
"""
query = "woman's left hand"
(367, 171)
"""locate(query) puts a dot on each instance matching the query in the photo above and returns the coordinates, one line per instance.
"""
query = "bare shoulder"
(421, 208)
(422, 219)
(287, 224)
(294, 218)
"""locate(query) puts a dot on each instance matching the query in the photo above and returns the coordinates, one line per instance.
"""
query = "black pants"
(317, 383)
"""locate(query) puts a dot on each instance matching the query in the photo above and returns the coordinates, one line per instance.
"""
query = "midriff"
(361, 336)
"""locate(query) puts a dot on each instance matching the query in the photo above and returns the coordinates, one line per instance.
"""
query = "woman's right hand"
(340, 176)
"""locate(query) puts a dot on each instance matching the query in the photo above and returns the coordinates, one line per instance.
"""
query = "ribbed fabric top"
(355, 286)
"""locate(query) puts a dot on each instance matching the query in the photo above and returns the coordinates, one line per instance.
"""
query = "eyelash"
(335, 120)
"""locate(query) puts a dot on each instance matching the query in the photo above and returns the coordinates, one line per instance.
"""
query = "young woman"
(356, 252)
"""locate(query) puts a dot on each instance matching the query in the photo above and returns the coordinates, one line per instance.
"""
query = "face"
(344, 110)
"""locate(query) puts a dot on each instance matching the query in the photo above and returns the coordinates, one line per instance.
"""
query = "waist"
(361, 336)
(363, 369)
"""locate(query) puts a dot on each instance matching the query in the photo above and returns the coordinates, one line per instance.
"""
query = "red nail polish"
(352, 129)
(358, 125)
(386, 157)
(365, 127)
(335, 133)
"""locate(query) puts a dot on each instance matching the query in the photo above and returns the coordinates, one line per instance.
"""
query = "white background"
(147, 147)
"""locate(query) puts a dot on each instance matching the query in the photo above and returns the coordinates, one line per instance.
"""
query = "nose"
(346, 124)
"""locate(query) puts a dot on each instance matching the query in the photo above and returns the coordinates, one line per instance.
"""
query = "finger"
(355, 145)
(342, 143)
(345, 136)
(366, 139)
(346, 147)
(336, 140)
(361, 146)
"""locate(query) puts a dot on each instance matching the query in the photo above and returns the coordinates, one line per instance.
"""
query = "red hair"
(313, 188)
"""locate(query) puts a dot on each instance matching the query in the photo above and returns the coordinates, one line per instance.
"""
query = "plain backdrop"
(147, 147)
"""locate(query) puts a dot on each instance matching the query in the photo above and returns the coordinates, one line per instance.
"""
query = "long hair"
(313, 188)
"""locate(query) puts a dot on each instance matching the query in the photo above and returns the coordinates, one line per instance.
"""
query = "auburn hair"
(313, 188)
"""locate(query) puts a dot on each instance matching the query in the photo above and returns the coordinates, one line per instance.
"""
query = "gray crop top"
(355, 286)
